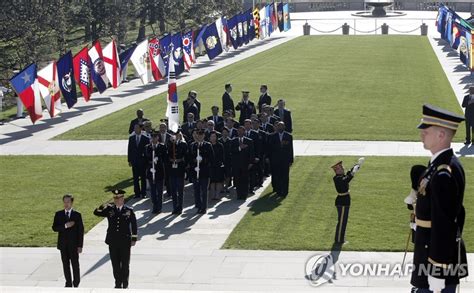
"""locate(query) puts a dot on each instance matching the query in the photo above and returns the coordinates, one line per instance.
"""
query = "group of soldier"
(213, 153)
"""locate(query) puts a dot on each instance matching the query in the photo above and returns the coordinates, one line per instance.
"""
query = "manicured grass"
(33, 186)
(306, 219)
(338, 87)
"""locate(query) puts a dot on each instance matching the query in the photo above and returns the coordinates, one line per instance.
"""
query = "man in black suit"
(284, 115)
(253, 135)
(265, 98)
(242, 153)
(468, 104)
(227, 101)
(139, 120)
(192, 105)
(121, 235)
(68, 224)
(136, 159)
(281, 157)
(200, 159)
(188, 126)
(271, 117)
(246, 107)
(218, 120)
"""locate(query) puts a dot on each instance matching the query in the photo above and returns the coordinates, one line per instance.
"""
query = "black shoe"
(202, 212)
(137, 196)
(467, 142)
(177, 212)
(143, 195)
(156, 212)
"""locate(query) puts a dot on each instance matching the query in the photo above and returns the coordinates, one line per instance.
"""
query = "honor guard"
(121, 235)
(155, 154)
(415, 175)
(440, 256)
(343, 199)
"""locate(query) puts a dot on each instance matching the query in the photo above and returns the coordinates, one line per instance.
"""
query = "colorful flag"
(198, 36)
(165, 45)
(275, 16)
(212, 41)
(465, 47)
(141, 61)
(256, 22)
(286, 17)
(269, 10)
(112, 64)
(221, 25)
(157, 64)
(82, 72)
(240, 29)
(448, 31)
(188, 50)
(177, 41)
(440, 19)
(98, 68)
(125, 57)
(263, 23)
(234, 36)
(250, 25)
(49, 88)
(456, 36)
(67, 85)
(172, 111)
(281, 20)
(245, 27)
(25, 85)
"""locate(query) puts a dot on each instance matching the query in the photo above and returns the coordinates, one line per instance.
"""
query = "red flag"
(157, 63)
(82, 73)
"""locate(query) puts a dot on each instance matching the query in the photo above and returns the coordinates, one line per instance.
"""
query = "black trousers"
(200, 192)
(139, 179)
(342, 217)
(120, 258)
(469, 131)
(177, 190)
(70, 257)
(280, 178)
(241, 182)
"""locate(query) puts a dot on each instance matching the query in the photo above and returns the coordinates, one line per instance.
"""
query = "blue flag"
(198, 36)
(286, 17)
(177, 41)
(448, 32)
(441, 19)
(269, 9)
(281, 21)
(66, 81)
(243, 32)
(250, 24)
(232, 24)
(125, 56)
(165, 45)
(212, 41)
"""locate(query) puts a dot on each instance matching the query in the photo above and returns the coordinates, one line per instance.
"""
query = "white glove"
(436, 285)
(355, 169)
(413, 226)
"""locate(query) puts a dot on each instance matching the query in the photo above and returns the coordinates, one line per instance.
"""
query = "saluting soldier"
(177, 152)
(121, 235)
(246, 107)
(155, 153)
(343, 199)
(440, 256)
(281, 158)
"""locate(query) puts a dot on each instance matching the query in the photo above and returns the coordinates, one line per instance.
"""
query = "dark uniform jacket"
(71, 237)
(439, 204)
(342, 187)
(122, 224)
(264, 99)
(136, 153)
(468, 103)
(246, 110)
(177, 153)
(286, 119)
(205, 151)
(241, 157)
(280, 152)
(253, 135)
(227, 103)
(160, 154)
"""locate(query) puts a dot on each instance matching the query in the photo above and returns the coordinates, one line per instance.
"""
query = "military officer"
(343, 199)
(177, 152)
(415, 174)
(440, 256)
(121, 235)
(246, 107)
(155, 154)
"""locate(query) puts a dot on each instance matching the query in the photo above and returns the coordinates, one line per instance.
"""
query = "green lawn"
(338, 87)
(33, 186)
(306, 219)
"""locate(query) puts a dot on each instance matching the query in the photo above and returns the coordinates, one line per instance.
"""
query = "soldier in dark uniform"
(468, 104)
(121, 235)
(343, 199)
(246, 107)
(280, 152)
(264, 98)
(68, 224)
(415, 175)
(200, 158)
(440, 256)
(242, 156)
(155, 154)
(227, 101)
(177, 153)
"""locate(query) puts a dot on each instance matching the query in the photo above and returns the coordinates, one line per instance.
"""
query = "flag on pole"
(98, 68)
(124, 58)
(25, 85)
(112, 64)
(49, 88)
(250, 25)
(456, 36)
(177, 41)
(233, 24)
(67, 85)
(188, 50)
(82, 72)
(240, 29)
(165, 45)
(245, 27)
(141, 61)
(275, 16)
(263, 23)
(270, 16)
(157, 64)
(465, 47)
(256, 22)
(172, 111)
(281, 20)
(212, 42)
(286, 17)
(221, 25)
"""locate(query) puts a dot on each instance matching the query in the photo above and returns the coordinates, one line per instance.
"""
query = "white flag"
(141, 61)
(49, 88)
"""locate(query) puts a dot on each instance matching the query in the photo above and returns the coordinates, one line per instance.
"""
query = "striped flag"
(112, 64)
(25, 85)
(49, 88)
(172, 111)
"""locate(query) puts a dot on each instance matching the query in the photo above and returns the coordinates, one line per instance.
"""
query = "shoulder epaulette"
(444, 167)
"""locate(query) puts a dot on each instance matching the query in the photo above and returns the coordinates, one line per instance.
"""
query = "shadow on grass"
(266, 203)
(121, 185)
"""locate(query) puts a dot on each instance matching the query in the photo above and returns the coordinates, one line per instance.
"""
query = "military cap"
(118, 193)
(336, 165)
(193, 93)
(434, 116)
(245, 92)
